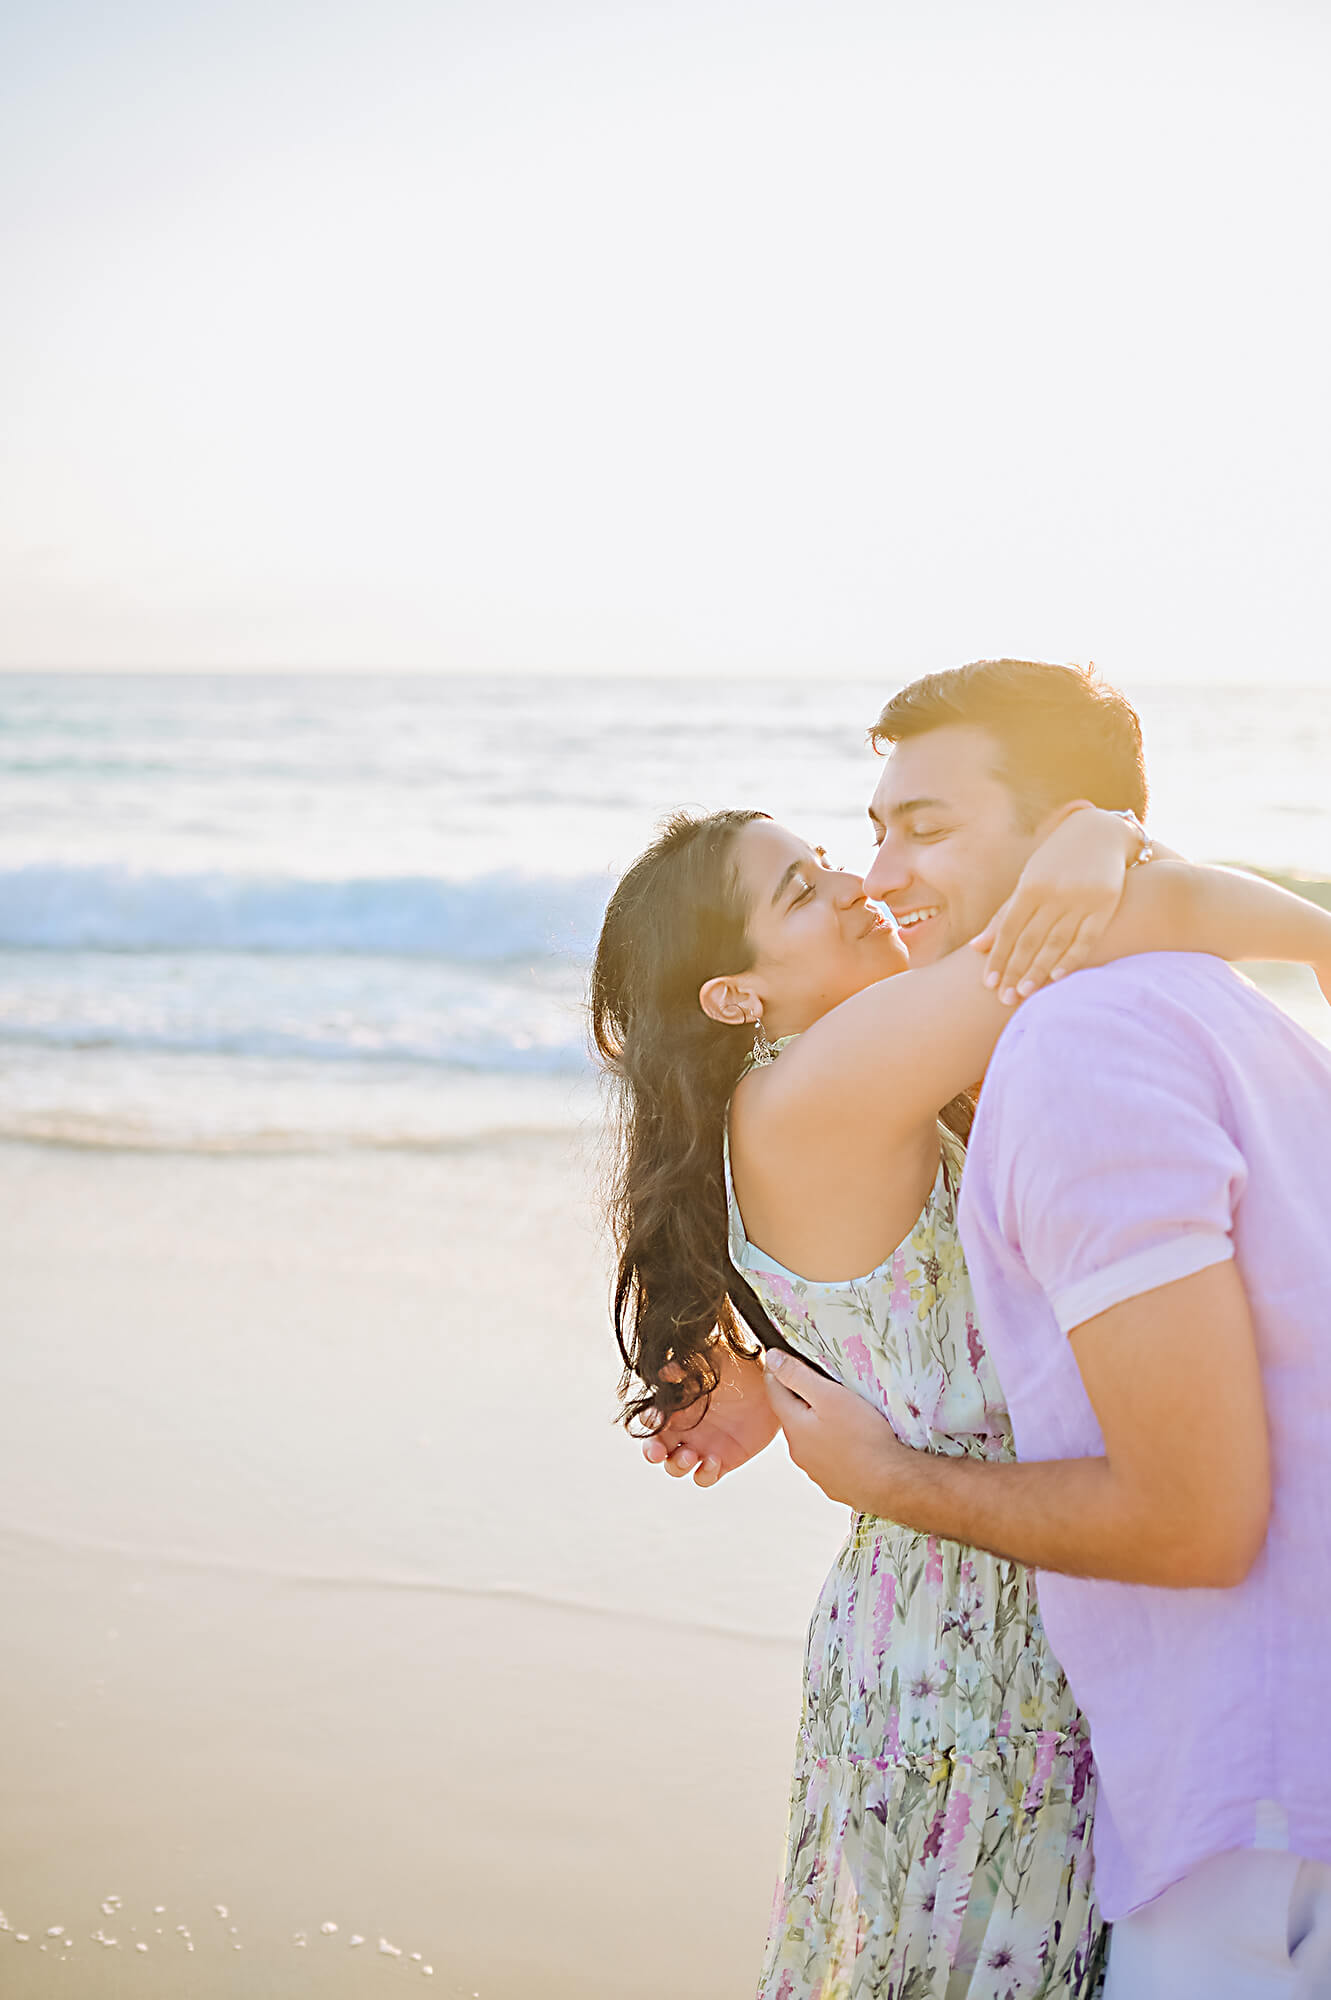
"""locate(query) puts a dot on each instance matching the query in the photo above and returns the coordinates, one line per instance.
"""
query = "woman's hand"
(738, 1425)
(1062, 905)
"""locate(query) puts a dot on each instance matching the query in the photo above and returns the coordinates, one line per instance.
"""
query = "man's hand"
(1181, 1498)
(738, 1425)
(834, 1436)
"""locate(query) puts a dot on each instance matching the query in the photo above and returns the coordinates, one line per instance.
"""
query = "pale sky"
(836, 338)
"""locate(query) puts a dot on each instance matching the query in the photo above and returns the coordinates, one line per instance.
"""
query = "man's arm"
(1181, 1498)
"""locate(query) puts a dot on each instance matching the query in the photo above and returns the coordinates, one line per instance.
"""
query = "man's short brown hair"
(1061, 733)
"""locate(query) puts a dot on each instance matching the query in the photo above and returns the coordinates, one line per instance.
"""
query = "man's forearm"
(1067, 1514)
(1164, 1505)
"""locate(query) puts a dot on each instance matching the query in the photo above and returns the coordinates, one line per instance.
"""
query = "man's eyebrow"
(908, 806)
(786, 880)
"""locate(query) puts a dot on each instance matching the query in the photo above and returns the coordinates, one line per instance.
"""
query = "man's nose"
(887, 874)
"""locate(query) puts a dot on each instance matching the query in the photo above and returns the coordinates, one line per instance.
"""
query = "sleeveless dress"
(940, 1817)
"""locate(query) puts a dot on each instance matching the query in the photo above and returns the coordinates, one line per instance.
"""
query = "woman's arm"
(1238, 916)
(874, 1070)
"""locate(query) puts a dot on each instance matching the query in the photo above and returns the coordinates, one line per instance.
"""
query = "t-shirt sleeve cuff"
(1181, 1257)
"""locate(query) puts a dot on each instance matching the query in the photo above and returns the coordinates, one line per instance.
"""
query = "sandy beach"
(334, 1597)
(347, 1637)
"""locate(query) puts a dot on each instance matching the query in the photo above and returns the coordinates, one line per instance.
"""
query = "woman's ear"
(729, 1001)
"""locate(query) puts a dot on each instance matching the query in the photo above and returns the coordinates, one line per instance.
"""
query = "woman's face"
(814, 938)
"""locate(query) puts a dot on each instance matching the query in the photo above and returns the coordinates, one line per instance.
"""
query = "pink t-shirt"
(1139, 1123)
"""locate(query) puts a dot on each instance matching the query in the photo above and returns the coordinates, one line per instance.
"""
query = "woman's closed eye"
(809, 887)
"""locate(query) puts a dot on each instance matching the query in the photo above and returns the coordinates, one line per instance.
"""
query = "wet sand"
(487, 1790)
(334, 1598)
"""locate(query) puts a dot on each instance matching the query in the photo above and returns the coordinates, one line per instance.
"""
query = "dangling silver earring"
(763, 1052)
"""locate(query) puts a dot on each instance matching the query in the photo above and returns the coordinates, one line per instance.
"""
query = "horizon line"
(896, 676)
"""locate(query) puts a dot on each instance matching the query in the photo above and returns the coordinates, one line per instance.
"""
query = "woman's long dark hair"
(678, 918)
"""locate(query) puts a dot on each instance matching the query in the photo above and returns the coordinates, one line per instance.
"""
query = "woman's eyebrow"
(787, 879)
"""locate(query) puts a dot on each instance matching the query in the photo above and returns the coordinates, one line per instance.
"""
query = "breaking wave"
(114, 908)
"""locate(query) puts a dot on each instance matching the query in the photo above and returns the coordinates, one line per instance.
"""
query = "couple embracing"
(1103, 1353)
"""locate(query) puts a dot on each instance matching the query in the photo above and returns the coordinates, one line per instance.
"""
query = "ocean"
(284, 912)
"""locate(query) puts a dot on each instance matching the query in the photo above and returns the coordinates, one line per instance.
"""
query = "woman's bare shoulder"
(828, 1198)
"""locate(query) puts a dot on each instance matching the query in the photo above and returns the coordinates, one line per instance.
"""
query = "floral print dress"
(940, 1817)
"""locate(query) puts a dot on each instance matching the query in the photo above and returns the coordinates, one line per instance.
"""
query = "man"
(1147, 1219)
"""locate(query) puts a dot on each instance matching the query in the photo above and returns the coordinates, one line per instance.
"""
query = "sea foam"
(497, 917)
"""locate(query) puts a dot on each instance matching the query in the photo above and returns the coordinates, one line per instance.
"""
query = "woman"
(940, 1834)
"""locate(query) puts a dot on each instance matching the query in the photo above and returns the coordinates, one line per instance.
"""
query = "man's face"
(950, 843)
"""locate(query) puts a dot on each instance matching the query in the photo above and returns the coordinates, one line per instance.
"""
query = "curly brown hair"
(677, 918)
